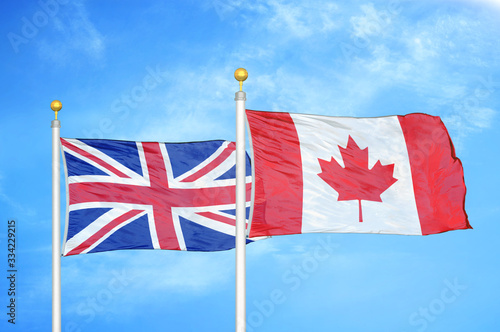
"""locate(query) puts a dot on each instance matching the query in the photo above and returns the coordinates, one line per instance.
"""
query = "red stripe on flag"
(158, 195)
(437, 174)
(278, 174)
(103, 231)
(213, 164)
(85, 154)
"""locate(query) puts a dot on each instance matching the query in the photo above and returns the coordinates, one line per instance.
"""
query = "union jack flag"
(148, 195)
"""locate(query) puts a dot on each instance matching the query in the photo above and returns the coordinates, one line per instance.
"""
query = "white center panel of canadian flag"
(322, 138)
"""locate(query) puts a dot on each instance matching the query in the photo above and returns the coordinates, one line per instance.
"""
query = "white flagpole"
(56, 220)
(240, 74)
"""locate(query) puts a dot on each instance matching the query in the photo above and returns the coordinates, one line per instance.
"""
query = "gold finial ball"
(241, 74)
(56, 105)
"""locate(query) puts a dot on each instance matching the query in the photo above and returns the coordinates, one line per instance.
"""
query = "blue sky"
(163, 71)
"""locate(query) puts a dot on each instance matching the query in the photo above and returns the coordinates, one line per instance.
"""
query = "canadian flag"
(387, 175)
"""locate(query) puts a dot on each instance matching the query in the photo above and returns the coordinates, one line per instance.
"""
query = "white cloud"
(495, 4)
(193, 104)
(120, 282)
(481, 117)
(258, 249)
(467, 120)
(418, 56)
(247, 51)
(300, 20)
(373, 22)
(292, 18)
(186, 272)
(77, 35)
(422, 48)
(190, 106)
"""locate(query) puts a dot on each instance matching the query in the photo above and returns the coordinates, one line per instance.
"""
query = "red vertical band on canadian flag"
(437, 174)
(278, 179)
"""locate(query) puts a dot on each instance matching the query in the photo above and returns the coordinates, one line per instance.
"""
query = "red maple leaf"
(355, 180)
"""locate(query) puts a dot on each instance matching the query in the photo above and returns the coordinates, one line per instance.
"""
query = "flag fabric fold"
(149, 195)
(388, 175)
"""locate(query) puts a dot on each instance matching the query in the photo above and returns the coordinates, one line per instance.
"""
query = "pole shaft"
(56, 228)
(240, 213)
